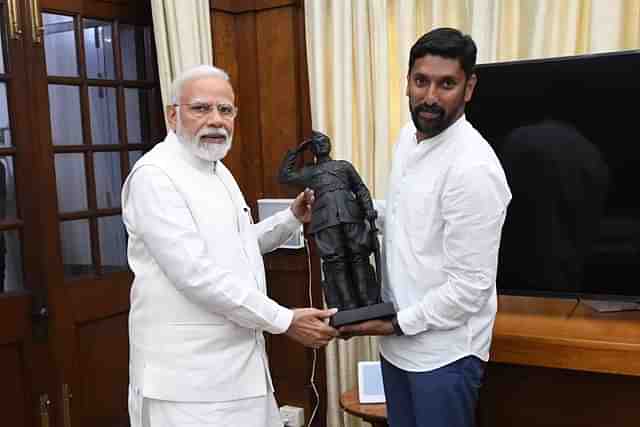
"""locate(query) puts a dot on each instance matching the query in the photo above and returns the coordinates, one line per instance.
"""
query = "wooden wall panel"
(249, 102)
(223, 39)
(279, 95)
(103, 368)
(241, 6)
(261, 44)
(527, 396)
(13, 396)
(291, 363)
(232, 32)
(110, 9)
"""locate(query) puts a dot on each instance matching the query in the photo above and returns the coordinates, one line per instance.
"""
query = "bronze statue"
(343, 226)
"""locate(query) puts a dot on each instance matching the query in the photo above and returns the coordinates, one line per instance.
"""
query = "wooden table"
(374, 413)
(553, 363)
(558, 363)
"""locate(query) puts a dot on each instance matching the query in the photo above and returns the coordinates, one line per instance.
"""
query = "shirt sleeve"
(474, 209)
(160, 217)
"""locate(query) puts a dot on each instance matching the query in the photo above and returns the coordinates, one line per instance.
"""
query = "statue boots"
(365, 281)
(337, 286)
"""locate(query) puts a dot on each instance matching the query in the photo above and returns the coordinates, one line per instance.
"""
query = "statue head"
(320, 145)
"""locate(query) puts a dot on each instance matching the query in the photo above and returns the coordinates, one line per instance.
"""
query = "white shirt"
(198, 301)
(444, 213)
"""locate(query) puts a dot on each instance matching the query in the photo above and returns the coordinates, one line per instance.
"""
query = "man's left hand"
(370, 327)
(301, 206)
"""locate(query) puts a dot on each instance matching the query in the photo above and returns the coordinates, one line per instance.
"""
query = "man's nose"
(431, 94)
(214, 118)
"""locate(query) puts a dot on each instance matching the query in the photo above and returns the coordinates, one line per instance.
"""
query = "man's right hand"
(309, 328)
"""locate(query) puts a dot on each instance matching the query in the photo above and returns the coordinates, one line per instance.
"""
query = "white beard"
(206, 151)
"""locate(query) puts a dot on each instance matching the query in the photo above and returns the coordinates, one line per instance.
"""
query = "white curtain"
(182, 31)
(358, 57)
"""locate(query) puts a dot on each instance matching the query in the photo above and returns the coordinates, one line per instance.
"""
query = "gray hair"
(195, 73)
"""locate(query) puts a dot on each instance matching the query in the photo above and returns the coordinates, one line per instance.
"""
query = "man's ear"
(172, 117)
(469, 87)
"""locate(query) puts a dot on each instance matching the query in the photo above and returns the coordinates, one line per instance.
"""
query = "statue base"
(357, 315)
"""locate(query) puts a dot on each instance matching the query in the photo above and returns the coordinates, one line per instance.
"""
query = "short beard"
(432, 128)
(206, 151)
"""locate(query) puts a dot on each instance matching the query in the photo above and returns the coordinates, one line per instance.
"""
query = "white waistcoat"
(198, 303)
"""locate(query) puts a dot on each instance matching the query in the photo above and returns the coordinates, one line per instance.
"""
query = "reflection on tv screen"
(570, 149)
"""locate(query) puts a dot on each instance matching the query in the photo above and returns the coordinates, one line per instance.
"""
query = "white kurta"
(198, 301)
(447, 203)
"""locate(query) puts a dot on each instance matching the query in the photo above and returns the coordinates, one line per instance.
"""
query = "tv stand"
(556, 333)
(557, 362)
(611, 306)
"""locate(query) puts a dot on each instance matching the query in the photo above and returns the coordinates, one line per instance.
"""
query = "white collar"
(442, 136)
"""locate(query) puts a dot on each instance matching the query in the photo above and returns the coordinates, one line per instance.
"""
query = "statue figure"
(343, 227)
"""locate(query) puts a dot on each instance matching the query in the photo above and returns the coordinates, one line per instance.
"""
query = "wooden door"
(98, 108)
(23, 371)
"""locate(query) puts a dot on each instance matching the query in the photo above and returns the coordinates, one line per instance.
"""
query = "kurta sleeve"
(276, 230)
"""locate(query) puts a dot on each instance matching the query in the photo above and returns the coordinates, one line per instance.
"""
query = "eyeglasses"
(202, 109)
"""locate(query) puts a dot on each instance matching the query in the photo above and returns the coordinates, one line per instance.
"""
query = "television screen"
(567, 131)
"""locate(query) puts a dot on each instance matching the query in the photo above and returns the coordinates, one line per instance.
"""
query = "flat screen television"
(567, 131)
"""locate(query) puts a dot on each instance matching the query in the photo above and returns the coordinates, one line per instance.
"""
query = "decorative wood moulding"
(244, 6)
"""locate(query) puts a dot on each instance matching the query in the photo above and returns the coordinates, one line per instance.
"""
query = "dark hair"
(448, 43)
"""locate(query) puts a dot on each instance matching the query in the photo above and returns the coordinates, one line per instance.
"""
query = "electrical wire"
(578, 300)
(315, 350)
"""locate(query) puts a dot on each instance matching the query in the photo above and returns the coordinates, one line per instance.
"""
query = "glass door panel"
(65, 114)
(5, 128)
(104, 115)
(136, 106)
(95, 116)
(60, 45)
(113, 243)
(76, 248)
(71, 182)
(11, 279)
(108, 175)
(98, 49)
(8, 207)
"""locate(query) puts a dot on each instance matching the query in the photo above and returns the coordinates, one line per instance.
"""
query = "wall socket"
(292, 416)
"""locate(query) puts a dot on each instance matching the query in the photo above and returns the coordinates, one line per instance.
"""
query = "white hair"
(195, 73)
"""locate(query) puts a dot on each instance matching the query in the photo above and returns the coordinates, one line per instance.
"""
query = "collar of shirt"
(442, 136)
(415, 151)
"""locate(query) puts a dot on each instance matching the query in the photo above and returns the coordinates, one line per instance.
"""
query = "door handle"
(66, 405)
(15, 27)
(45, 403)
(36, 22)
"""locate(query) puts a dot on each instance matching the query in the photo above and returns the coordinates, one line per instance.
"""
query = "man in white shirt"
(445, 208)
(198, 302)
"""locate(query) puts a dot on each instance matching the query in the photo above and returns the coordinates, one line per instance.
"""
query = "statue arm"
(289, 173)
(362, 193)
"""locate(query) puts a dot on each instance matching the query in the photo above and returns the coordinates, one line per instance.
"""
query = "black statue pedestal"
(384, 310)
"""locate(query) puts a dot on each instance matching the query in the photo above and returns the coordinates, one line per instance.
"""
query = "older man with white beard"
(198, 302)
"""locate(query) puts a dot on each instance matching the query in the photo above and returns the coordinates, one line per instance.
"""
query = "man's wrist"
(397, 330)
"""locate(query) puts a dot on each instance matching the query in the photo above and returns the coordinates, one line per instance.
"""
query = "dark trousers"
(444, 397)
